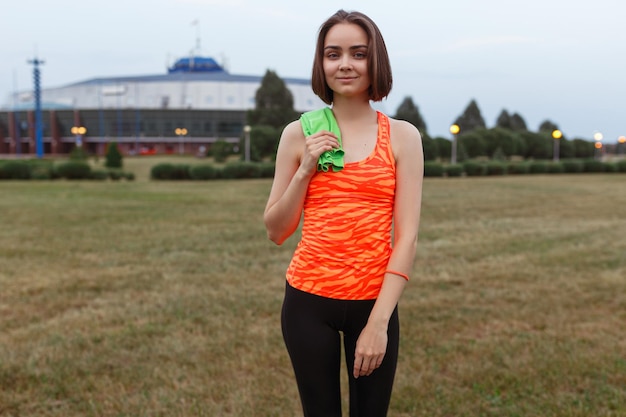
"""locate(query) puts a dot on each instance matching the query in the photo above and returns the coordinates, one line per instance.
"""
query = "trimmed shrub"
(15, 170)
(593, 165)
(129, 176)
(621, 165)
(433, 169)
(41, 169)
(555, 168)
(202, 172)
(572, 166)
(518, 168)
(113, 156)
(99, 175)
(78, 153)
(495, 168)
(168, 171)
(454, 170)
(115, 174)
(236, 170)
(267, 169)
(74, 170)
(610, 167)
(220, 150)
(474, 169)
(538, 167)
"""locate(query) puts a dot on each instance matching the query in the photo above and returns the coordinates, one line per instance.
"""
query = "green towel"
(324, 119)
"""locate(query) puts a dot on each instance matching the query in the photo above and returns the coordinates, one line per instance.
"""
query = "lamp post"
(454, 129)
(598, 144)
(556, 135)
(180, 132)
(622, 143)
(78, 132)
(246, 131)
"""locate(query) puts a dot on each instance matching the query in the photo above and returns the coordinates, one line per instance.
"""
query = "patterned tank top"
(346, 234)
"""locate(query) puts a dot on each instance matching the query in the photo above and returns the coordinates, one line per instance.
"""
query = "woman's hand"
(314, 146)
(370, 349)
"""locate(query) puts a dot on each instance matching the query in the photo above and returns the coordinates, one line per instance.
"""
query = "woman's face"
(346, 50)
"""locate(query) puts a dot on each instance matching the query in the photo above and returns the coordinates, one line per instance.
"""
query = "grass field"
(163, 299)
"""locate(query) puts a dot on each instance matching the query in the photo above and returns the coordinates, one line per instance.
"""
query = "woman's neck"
(352, 109)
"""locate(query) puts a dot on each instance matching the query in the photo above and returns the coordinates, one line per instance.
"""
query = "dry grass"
(162, 299)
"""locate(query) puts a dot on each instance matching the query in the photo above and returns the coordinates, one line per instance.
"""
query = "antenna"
(197, 24)
(38, 123)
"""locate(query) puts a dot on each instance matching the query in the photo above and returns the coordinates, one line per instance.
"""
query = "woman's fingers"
(365, 365)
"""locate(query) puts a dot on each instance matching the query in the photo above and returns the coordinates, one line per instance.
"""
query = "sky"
(557, 60)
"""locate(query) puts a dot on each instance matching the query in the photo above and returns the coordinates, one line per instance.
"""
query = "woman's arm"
(296, 161)
(372, 343)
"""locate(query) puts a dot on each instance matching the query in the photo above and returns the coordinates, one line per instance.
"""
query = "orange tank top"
(346, 234)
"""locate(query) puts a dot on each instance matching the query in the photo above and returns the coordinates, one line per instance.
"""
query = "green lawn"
(151, 298)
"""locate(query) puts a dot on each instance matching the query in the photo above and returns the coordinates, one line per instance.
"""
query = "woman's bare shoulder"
(405, 137)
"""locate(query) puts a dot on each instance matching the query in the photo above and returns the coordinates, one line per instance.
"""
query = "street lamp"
(246, 130)
(598, 145)
(180, 132)
(79, 132)
(454, 129)
(556, 135)
(622, 144)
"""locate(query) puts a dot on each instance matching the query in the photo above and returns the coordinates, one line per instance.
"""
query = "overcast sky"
(560, 60)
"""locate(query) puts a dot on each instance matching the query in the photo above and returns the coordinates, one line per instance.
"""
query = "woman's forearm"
(283, 216)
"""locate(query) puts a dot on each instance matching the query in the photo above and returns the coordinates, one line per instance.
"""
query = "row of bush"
(48, 170)
(235, 170)
(231, 170)
(478, 168)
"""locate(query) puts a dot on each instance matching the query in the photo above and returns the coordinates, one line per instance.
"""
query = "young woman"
(349, 269)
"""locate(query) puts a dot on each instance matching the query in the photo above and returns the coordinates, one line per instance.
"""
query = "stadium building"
(194, 104)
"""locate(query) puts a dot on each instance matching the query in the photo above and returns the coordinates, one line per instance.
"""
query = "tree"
(566, 149)
(518, 123)
(274, 103)
(408, 111)
(502, 140)
(504, 120)
(583, 148)
(113, 157)
(471, 118)
(547, 126)
(473, 143)
(444, 147)
(273, 111)
(511, 122)
(262, 141)
(431, 150)
(538, 146)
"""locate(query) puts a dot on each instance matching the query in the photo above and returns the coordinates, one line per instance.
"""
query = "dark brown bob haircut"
(378, 64)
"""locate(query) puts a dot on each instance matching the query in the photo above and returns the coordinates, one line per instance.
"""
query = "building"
(194, 104)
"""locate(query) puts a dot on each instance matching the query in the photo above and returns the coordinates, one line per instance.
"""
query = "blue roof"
(195, 64)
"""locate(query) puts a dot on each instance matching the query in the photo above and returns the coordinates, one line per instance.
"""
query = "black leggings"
(311, 328)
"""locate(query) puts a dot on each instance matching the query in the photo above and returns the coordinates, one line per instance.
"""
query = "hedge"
(433, 169)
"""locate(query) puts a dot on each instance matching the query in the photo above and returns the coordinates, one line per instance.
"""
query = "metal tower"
(38, 123)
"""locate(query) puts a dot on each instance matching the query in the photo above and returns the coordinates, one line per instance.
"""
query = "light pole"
(454, 129)
(598, 145)
(180, 132)
(556, 135)
(622, 144)
(246, 130)
(78, 132)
